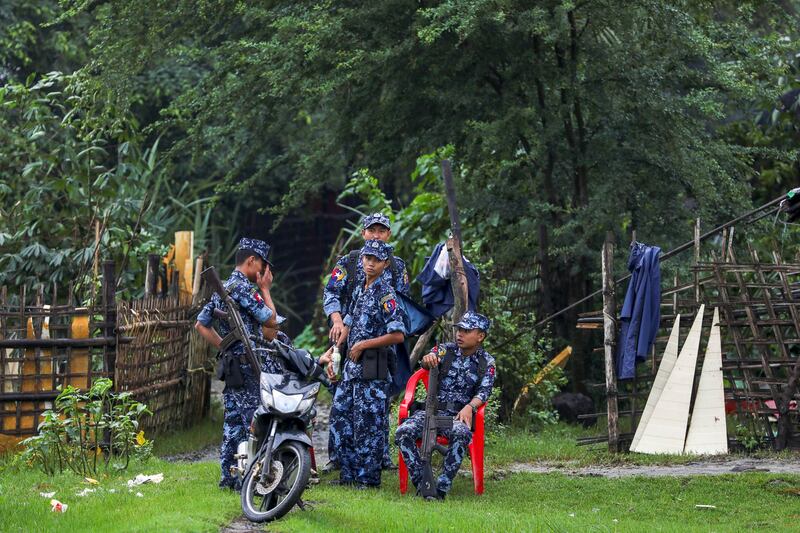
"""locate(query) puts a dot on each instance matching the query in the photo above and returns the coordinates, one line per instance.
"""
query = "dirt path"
(319, 438)
(710, 467)
(241, 525)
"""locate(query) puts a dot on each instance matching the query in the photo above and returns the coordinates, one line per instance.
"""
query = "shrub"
(520, 352)
(88, 430)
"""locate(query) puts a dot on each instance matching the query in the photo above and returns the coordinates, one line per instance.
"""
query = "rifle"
(234, 318)
(433, 423)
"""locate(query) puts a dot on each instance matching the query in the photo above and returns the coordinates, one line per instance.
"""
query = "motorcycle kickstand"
(304, 506)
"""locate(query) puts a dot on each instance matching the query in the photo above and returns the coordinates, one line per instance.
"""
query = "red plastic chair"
(475, 447)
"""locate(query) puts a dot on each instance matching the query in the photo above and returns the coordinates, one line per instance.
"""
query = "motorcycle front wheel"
(291, 468)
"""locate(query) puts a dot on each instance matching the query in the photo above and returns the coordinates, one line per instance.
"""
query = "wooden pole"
(696, 259)
(458, 277)
(151, 276)
(198, 268)
(610, 341)
(419, 347)
(110, 316)
(450, 194)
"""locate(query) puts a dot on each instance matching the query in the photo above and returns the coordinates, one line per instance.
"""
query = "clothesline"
(773, 204)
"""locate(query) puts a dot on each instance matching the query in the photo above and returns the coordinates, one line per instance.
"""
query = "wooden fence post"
(151, 276)
(610, 341)
(109, 317)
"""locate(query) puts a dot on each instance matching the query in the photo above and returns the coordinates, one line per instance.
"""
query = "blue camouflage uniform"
(240, 403)
(461, 384)
(335, 292)
(358, 417)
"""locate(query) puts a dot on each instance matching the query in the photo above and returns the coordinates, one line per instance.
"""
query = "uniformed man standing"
(249, 285)
(337, 296)
(374, 323)
(466, 377)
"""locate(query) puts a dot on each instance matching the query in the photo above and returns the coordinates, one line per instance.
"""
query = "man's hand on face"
(264, 280)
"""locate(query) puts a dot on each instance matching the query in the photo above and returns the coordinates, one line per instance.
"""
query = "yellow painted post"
(184, 260)
(78, 364)
(37, 370)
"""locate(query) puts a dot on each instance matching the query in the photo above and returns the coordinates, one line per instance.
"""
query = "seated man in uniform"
(466, 377)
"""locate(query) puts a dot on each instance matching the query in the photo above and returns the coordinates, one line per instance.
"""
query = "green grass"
(204, 434)
(557, 445)
(554, 502)
(188, 499)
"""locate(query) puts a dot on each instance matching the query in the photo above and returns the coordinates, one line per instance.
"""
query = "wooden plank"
(184, 260)
(666, 429)
(664, 370)
(78, 361)
(707, 431)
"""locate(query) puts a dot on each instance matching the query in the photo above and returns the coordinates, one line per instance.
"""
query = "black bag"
(375, 364)
(229, 370)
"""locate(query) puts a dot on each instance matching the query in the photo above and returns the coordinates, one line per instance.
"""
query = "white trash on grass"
(58, 507)
(141, 479)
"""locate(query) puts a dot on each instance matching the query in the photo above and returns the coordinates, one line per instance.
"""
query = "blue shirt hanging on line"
(437, 295)
(641, 311)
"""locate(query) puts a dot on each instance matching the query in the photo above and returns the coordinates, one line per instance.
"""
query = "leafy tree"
(29, 45)
(567, 118)
(69, 165)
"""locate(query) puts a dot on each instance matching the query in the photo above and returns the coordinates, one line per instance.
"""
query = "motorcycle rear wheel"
(291, 468)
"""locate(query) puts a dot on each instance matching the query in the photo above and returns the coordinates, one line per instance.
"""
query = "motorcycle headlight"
(286, 403)
(266, 398)
(306, 404)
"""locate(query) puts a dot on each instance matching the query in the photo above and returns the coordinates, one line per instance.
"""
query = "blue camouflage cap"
(379, 249)
(473, 320)
(259, 247)
(376, 218)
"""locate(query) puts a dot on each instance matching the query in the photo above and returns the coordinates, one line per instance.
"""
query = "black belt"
(450, 406)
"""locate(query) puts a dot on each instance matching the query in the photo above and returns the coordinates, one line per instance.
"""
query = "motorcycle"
(275, 461)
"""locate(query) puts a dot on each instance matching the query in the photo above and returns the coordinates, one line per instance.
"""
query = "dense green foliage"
(574, 118)
(72, 164)
(565, 120)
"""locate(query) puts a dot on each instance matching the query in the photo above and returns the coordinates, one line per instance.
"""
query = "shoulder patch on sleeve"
(491, 370)
(339, 273)
(388, 303)
(256, 295)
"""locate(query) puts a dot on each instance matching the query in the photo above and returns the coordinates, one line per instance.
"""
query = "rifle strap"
(350, 282)
(447, 362)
